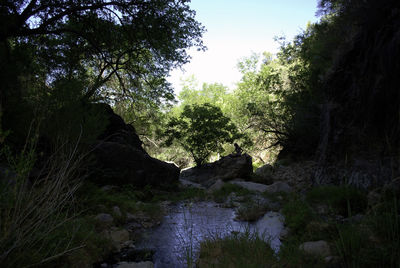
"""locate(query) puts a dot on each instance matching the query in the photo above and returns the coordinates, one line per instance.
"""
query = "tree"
(201, 130)
(84, 51)
(117, 47)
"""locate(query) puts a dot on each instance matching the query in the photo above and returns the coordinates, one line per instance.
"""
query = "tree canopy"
(118, 48)
(55, 54)
(201, 129)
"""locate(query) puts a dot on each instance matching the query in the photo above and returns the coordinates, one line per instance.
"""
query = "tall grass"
(245, 249)
(32, 211)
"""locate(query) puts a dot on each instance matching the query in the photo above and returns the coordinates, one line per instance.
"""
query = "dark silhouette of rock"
(227, 168)
(120, 158)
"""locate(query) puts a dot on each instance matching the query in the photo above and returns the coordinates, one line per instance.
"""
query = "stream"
(187, 224)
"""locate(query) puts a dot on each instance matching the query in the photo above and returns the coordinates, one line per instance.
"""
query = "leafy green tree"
(257, 103)
(133, 42)
(57, 53)
(201, 130)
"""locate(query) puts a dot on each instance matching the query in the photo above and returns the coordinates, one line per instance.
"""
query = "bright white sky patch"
(235, 29)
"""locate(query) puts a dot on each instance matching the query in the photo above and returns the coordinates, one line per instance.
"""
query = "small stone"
(117, 211)
(190, 184)
(108, 188)
(317, 248)
(278, 187)
(332, 260)
(130, 216)
(105, 219)
(119, 237)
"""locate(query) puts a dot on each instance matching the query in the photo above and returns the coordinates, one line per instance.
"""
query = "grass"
(238, 250)
(375, 242)
(372, 242)
(221, 195)
(342, 200)
(34, 214)
(297, 214)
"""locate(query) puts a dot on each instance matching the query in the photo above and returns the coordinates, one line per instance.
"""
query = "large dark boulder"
(120, 159)
(227, 168)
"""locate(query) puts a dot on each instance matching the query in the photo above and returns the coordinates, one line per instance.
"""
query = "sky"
(236, 29)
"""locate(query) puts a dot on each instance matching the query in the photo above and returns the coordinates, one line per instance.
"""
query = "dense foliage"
(201, 130)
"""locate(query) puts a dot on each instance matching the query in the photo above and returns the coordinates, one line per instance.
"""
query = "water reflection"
(178, 238)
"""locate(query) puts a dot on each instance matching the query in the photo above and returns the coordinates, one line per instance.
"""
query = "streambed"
(187, 224)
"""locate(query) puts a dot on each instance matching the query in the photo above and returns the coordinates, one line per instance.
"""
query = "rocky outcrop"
(227, 168)
(296, 174)
(120, 159)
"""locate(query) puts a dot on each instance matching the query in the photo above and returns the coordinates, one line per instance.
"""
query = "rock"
(117, 211)
(333, 261)
(189, 184)
(276, 187)
(279, 187)
(317, 248)
(296, 174)
(265, 173)
(251, 186)
(144, 264)
(269, 227)
(227, 168)
(120, 159)
(216, 186)
(139, 219)
(104, 219)
(109, 188)
(123, 164)
(361, 173)
(128, 244)
(119, 238)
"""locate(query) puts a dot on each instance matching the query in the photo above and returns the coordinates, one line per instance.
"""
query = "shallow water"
(178, 237)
